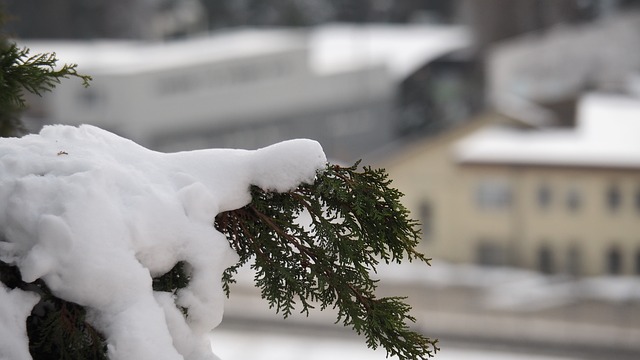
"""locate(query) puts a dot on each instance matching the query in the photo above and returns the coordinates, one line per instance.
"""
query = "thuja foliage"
(33, 73)
(21, 71)
(355, 221)
(57, 329)
(318, 245)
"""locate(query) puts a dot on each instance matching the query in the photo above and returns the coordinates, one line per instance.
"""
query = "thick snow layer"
(516, 289)
(563, 61)
(96, 216)
(130, 57)
(401, 48)
(332, 48)
(606, 135)
(15, 307)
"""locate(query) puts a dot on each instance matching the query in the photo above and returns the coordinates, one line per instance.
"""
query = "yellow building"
(555, 200)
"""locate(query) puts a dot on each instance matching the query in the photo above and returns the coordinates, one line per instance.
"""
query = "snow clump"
(96, 216)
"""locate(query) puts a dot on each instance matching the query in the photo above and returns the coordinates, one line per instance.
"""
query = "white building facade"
(247, 88)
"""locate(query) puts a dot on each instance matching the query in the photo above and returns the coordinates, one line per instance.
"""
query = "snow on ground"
(516, 289)
(96, 216)
(232, 345)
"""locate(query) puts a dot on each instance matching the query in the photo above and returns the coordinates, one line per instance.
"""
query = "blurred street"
(266, 344)
(472, 320)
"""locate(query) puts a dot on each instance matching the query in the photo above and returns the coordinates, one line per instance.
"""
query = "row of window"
(613, 196)
(496, 194)
(614, 261)
(572, 198)
(548, 261)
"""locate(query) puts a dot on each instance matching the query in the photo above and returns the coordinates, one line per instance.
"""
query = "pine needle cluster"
(19, 72)
(33, 73)
(317, 246)
(57, 329)
(313, 247)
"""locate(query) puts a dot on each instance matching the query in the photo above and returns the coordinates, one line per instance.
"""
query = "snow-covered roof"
(140, 56)
(402, 48)
(332, 48)
(566, 59)
(607, 134)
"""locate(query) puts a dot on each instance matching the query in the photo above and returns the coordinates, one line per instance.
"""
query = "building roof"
(402, 48)
(560, 64)
(565, 60)
(607, 134)
(127, 56)
(332, 48)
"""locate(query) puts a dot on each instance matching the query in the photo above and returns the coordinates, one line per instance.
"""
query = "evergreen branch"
(355, 220)
(21, 72)
(33, 73)
(57, 329)
(175, 279)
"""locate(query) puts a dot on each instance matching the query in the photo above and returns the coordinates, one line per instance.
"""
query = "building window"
(493, 194)
(574, 201)
(426, 219)
(545, 260)
(574, 266)
(88, 98)
(614, 261)
(614, 198)
(490, 254)
(544, 196)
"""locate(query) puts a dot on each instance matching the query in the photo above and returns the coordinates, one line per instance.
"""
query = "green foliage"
(19, 72)
(174, 280)
(57, 329)
(34, 73)
(10, 275)
(355, 221)
(177, 278)
(10, 124)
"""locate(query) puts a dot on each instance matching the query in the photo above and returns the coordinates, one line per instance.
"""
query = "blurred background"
(512, 126)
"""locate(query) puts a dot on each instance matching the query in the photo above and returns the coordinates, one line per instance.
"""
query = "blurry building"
(539, 77)
(248, 88)
(163, 19)
(497, 192)
(497, 20)
(549, 179)
(100, 19)
(441, 94)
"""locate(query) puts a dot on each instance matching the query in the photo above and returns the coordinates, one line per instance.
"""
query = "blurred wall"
(556, 213)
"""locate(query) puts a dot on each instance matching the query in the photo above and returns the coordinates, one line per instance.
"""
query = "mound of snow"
(97, 216)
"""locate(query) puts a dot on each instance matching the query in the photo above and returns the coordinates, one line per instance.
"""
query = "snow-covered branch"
(96, 216)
